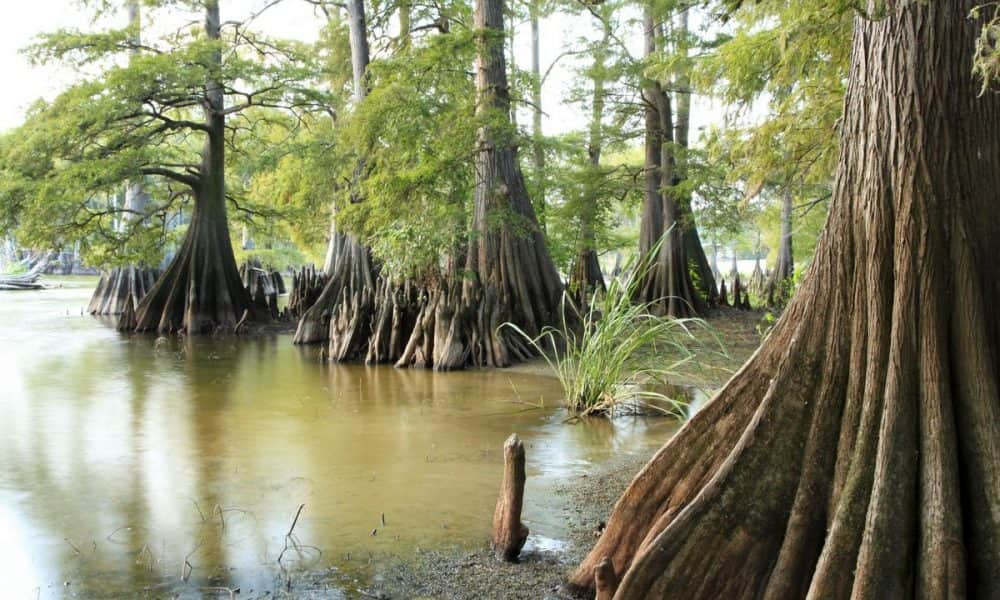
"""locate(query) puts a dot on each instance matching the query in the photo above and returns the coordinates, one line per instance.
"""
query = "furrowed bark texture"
(514, 278)
(665, 281)
(307, 285)
(509, 533)
(264, 285)
(343, 308)
(453, 320)
(537, 146)
(341, 314)
(121, 287)
(697, 261)
(201, 290)
(857, 453)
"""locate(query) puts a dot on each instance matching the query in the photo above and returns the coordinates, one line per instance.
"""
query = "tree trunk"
(126, 286)
(509, 275)
(264, 285)
(452, 320)
(665, 281)
(781, 278)
(341, 312)
(349, 285)
(514, 277)
(360, 57)
(585, 276)
(358, 30)
(698, 262)
(509, 533)
(857, 453)
(307, 285)
(715, 260)
(201, 290)
(405, 9)
(537, 145)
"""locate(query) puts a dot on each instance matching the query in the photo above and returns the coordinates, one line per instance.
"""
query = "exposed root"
(121, 289)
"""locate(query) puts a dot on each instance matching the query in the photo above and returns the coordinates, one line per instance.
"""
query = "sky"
(23, 21)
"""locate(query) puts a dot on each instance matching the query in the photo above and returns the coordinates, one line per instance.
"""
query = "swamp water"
(131, 467)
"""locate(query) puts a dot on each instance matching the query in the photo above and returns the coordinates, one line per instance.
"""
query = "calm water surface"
(129, 465)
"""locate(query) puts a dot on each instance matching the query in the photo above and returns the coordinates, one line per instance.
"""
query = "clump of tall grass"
(609, 356)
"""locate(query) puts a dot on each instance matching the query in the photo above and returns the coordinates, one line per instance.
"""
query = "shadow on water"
(178, 465)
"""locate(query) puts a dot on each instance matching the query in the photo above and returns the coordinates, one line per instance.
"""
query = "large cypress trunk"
(857, 454)
(695, 252)
(343, 310)
(120, 290)
(201, 290)
(665, 282)
(453, 319)
(512, 277)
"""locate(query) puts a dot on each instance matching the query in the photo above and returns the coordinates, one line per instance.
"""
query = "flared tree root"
(121, 289)
(857, 453)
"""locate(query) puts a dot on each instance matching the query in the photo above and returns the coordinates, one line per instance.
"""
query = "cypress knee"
(605, 580)
(509, 533)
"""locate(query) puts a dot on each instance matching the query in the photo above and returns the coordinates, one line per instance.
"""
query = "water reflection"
(179, 464)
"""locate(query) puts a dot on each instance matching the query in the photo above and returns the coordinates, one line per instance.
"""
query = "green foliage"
(614, 358)
(986, 64)
(415, 137)
(781, 67)
(808, 219)
(136, 116)
(594, 204)
(602, 198)
(766, 324)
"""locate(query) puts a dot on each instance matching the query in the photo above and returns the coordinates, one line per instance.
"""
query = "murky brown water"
(130, 465)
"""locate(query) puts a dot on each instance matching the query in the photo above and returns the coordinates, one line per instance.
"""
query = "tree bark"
(514, 279)
(509, 533)
(605, 580)
(341, 313)
(665, 282)
(405, 16)
(360, 56)
(509, 275)
(201, 290)
(693, 248)
(781, 278)
(585, 276)
(857, 453)
(452, 320)
(307, 285)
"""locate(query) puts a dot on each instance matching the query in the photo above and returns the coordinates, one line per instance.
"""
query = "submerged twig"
(72, 545)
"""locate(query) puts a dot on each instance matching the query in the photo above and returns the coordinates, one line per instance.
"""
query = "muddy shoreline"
(450, 574)
(587, 502)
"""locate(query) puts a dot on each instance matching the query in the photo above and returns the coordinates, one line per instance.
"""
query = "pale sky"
(22, 21)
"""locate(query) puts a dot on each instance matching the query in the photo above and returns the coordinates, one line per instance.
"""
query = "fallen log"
(25, 281)
(509, 533)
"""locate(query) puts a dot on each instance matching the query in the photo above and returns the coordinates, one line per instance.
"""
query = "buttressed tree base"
(857, 454)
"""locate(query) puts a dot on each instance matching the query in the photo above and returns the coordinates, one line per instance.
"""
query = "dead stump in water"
(509, 533)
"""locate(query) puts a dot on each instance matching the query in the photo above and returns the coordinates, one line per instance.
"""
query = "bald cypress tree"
(857, 453)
